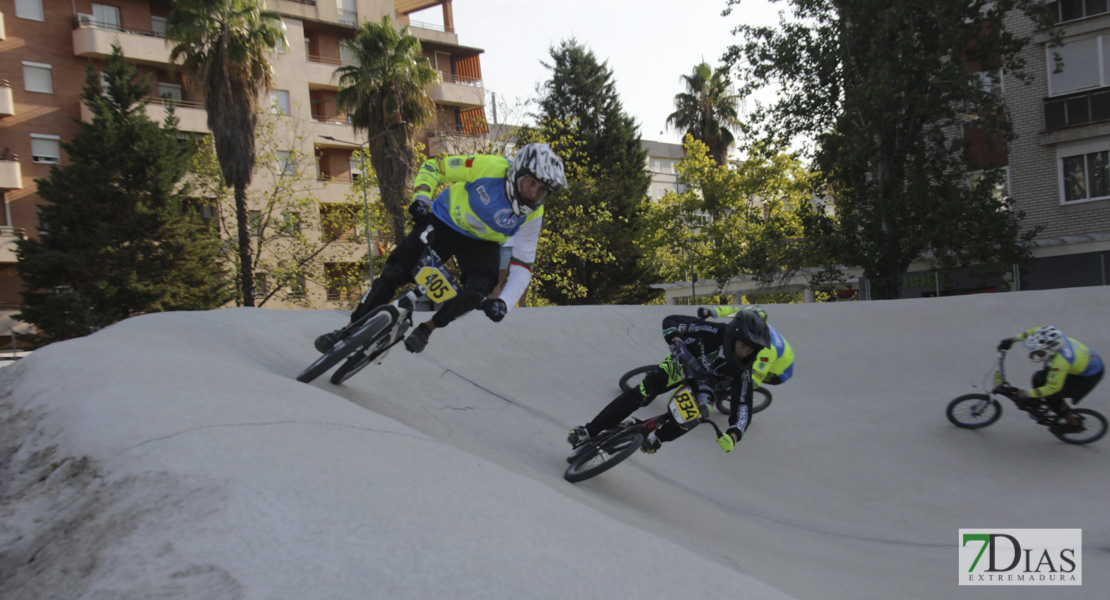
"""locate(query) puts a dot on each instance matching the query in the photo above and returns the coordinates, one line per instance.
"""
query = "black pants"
(478, 261)
(1075, 387)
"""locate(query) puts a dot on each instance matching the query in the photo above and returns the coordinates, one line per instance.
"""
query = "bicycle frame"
(1037, 408)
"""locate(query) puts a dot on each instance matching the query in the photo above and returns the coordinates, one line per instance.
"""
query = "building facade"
(47, 44)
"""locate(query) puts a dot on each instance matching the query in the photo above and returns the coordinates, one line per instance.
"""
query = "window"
(106, 17)
(46, 149)
(260, 285)
(287, 163)
(1084, 170)
(158, 26)
(37, 77)
(169, 90)
(1070, 10)
(296, 289)
(254, 222)
(356, 170)
(347, 54)
(1080, 69)
(29, 9)
(279, 101)
(291, 221)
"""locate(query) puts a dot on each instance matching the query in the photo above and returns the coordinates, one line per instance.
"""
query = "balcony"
(8, 237)
(7, 102)
(454, 90)
(92, 39)
(191, 116)
(1076, 109)
(11, 174)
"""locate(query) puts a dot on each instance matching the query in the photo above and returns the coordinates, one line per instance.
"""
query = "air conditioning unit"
(84, 19)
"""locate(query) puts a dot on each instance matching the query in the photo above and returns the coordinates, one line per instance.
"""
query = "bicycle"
(372, 336)
(761, 396)
(975, 411)
(609, 448)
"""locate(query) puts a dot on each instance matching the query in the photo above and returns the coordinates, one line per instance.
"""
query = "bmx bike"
(975, 411)
(371, 337)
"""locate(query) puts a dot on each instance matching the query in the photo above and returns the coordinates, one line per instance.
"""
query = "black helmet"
(747, 327)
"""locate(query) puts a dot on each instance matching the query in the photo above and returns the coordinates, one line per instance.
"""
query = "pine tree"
(117, 235)
(582, 116)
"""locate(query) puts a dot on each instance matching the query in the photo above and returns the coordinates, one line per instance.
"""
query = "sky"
(175, 456)
(648, 45)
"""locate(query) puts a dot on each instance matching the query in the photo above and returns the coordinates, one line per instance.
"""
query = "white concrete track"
(441, 473)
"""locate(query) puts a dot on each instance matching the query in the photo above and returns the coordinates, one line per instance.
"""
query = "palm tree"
(223, 46)
(387, 86)
(707, 110)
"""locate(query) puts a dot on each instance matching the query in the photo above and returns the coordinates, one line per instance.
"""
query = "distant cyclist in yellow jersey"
(1071, 370)
(775, 363)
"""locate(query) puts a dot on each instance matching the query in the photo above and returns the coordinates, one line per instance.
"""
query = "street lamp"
(365, 202)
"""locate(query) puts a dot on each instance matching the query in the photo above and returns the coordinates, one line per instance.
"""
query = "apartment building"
(46, 45)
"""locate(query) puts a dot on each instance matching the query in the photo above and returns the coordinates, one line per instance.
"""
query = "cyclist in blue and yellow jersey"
(1071, 370)
(487, 200)
(775, 363)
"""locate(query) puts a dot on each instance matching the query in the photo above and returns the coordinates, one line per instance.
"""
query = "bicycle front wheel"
(1094, 427)
(973, 411)
(604, 455)
(375, 323)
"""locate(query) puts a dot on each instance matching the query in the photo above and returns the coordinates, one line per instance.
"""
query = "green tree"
(582, 116)
(387, 86)
(223, 47)
(886, 91)
(117, 237)
(731, 220)
(296, 238)
(708, 110)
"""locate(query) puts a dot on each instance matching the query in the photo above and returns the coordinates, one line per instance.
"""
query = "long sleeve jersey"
(476, 204)
(705, 340)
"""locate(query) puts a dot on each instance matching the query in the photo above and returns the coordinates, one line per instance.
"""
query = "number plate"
(436, 283)
(683, 406)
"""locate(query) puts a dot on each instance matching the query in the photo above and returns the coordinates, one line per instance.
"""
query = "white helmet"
(539, 161)
(1047, 341)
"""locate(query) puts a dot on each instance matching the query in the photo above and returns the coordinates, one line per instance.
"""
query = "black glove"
(420, 210)
(1005, 344)
(495, 309)
(705, 313)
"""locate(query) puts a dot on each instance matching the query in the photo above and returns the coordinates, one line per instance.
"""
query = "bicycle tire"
(354, 364)
(973, 411)
(633, 378)
(761, 399)
(381, 318)
(604, 455)
(1096, 428)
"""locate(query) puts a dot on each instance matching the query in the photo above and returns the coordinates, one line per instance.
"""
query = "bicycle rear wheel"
(375, 322)
(761, 399)
(604, 455)
(1094, 427)
(973, 411)
(632, 379)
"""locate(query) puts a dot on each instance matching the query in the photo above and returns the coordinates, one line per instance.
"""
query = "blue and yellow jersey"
(475, 202)
(777, 359)
(1074, 358)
